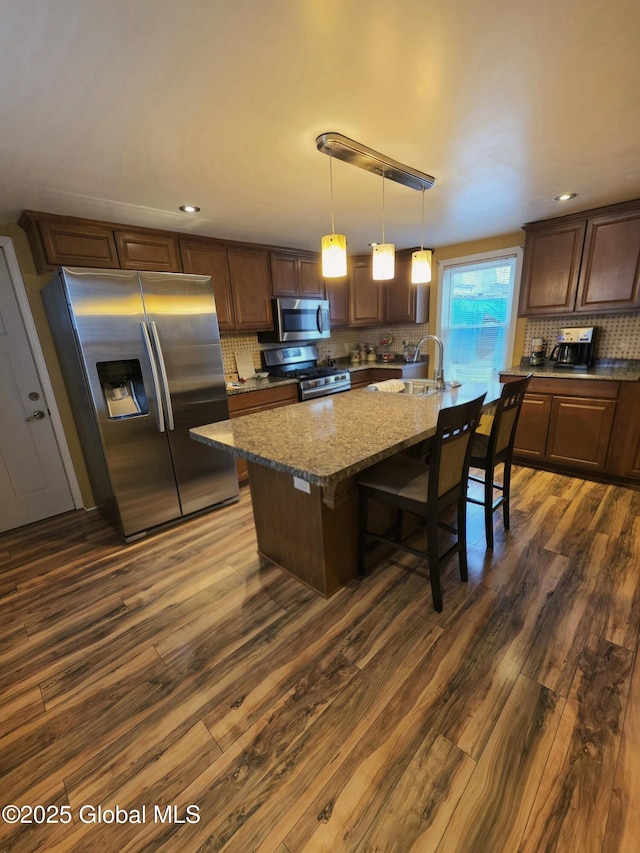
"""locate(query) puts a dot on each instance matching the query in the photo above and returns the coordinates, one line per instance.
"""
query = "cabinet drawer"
(269, 398)
(601, 388)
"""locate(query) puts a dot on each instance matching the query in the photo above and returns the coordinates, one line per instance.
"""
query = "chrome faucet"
(439, 369)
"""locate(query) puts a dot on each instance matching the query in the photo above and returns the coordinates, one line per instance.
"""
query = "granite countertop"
(617, 370)
(331, 438)
(254, 384)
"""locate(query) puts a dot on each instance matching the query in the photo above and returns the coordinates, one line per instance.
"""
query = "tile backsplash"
(340, 344)
(617, 335)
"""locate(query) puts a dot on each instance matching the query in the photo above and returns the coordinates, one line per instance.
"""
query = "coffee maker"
(574, 347)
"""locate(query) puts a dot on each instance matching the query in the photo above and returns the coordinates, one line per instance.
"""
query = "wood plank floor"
(181, 671)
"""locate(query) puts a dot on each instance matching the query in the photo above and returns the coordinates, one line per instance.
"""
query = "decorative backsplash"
(617, 335)
(340, 344)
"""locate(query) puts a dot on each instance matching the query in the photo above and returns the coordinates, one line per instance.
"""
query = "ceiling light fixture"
(337, 145)
(421, 261)
(564, 197)
(372, 161)
(189, 208)
(384, 254)
(334, 246)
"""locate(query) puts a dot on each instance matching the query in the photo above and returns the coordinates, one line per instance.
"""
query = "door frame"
(6, 246)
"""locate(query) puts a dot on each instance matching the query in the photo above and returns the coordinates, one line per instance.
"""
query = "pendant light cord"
(383, 240)
(422, 230)
(333, 226)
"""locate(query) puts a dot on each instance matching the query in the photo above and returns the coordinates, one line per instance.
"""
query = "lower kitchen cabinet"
(258, 401)
(567, 424)
(624, 453)
(580, 431)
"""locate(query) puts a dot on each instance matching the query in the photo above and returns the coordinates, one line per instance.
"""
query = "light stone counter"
(325, 440)
(303, 462)
(615, 370)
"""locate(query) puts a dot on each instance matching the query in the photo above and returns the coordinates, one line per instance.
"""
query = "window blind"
(475, 316)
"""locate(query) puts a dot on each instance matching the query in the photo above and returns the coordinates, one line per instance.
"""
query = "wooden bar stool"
(426, 490)
(489, 450)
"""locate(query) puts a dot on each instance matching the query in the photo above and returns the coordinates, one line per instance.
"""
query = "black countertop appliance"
(575, 347)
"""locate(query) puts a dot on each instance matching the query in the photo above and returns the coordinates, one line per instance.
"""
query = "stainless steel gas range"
(301, 363)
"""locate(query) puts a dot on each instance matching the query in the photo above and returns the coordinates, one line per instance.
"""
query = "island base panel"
(299, 532)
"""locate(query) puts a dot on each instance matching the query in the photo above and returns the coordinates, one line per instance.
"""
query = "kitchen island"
(303, 463)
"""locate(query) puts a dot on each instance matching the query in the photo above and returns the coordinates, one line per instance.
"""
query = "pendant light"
(384, 254)
(421, 261)
(334, 246)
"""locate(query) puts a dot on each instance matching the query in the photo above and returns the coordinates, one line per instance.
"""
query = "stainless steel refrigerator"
(141, 359)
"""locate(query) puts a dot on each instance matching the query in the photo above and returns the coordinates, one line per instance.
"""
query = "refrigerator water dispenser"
(123, 389)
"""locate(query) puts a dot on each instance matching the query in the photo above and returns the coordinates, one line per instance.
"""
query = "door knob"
(36, 416)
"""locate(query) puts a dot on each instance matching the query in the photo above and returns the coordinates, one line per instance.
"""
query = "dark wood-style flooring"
(181, 671)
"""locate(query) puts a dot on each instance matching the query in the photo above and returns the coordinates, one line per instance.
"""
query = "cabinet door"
(406, 302)
(550, 270)
(204, 258)
(610, 274)
(338, 296)
(579, 431)
(142, 250)
(366, 296)
(624, 449)
(251, 288)
(77, 244)
(296, 274)
(311, 284)
(533, 426)
(284, 273)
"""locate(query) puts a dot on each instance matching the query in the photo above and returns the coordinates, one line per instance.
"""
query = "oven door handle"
(319, 319)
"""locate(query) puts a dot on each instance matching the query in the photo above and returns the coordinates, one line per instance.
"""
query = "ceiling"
(123, 110)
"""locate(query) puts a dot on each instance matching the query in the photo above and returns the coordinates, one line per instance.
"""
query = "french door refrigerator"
(141, 359)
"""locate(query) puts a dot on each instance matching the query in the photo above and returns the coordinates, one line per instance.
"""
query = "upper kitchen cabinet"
(366, 296)
(583, 263)
(296, 274)
(406, 302)
(610, 273)
(551, 268)
(397, 301)
(65, 241)
(147, 250)
(338, 296)
(204, 257)
(249, 271)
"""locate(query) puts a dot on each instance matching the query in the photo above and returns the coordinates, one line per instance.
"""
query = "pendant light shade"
(384, 254)
(421, 261)
(334, 256)
(384, 261)
(334, 246)
(421, 267)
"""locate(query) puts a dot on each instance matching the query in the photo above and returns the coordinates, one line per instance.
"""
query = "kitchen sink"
(420, 387)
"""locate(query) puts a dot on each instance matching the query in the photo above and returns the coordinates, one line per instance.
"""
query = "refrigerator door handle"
(154, 375)
(163, 375)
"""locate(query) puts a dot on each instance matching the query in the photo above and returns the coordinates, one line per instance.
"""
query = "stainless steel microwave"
(298, 320)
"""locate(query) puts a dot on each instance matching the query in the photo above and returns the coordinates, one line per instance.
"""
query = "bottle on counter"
(363, 353)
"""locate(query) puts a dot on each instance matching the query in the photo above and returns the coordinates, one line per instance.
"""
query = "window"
(476, 318)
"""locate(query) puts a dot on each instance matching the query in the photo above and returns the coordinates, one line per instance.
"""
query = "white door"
(33, 482)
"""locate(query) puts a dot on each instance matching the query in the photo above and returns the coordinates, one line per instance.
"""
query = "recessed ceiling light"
(189, 208)
(565, 196)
